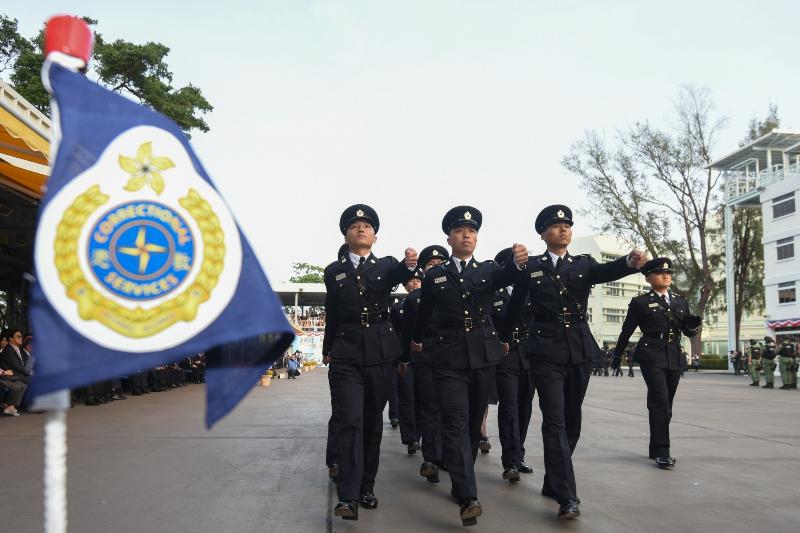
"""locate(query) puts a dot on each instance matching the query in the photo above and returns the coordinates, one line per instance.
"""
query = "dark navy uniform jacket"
(661, 325)
(513, 330)
(465, 336)
(398, 319)
(549, 338)
(357, 326)
(410, 307)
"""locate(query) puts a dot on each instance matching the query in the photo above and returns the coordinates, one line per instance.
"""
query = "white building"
(765, 174)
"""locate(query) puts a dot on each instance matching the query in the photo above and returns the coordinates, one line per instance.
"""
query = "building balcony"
(742, 186)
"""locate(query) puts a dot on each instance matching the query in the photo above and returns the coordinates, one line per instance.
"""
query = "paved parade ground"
(148, 464)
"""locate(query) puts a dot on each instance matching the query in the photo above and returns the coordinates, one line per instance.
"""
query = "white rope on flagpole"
(55, 472)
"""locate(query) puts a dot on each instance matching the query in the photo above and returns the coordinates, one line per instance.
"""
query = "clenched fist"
(411, 258)
(637, 259)
(520, 254)
(416, 347)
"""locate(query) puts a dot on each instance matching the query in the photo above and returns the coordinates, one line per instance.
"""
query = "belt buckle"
(468, 323)
(365, 319)
(566, 318)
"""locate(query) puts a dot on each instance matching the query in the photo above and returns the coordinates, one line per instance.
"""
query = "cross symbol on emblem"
(560, 214)
(665, 266)
(467, 216)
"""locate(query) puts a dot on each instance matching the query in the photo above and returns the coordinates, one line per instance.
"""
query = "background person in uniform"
(662, 316)
(363, 347)
(768, 363)
(560, 343)
(404, 381)
(755, 363)
(428, 414)
(788, 362)
(466, 348)
(513, 379)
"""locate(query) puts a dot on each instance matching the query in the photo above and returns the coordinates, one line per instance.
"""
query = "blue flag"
(139, 261)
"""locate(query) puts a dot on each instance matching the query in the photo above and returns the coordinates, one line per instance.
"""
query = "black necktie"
(463, 265)
(558, 264)
(361, 261)
(664, 299)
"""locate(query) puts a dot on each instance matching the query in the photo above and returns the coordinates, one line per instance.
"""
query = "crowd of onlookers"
(17, 366)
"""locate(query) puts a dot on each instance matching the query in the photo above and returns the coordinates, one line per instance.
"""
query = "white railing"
(741, 183)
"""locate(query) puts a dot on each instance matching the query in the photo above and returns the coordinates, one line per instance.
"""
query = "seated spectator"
(294, 368)
(14, 357)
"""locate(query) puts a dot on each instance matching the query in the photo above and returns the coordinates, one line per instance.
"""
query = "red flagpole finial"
(70, 36)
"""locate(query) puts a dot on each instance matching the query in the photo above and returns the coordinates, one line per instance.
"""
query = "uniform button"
(367, 325)
(390, 329)
(379, 277)
(358, 277)
(365, 309)
(565, 309)
(466, 312)
(538, 331)
(461, 280)
(538, 282)
(558, 277)
(567, 325)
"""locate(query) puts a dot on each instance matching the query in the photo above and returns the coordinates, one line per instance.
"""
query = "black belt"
(672, 336)
(369, 318)
(468, 323)
(561, 318)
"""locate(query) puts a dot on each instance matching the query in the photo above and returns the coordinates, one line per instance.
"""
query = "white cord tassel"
(55, 472)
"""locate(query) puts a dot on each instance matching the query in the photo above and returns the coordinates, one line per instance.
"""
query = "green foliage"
(307, 273)
(138, 70)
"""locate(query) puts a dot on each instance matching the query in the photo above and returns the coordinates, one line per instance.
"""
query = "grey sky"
(414, 107)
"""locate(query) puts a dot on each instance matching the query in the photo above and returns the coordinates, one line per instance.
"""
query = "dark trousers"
(331, 454)
(406, 408)
(630, 369)
(360, 395)
(393, 402)
(463, 396)
(515, 402)
(661, 387)
(561, 391)
(14, 391)
(429, 421)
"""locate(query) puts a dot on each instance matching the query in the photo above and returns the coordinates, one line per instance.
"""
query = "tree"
(748, 252)
(306, 273)
(652, 189)
(137, 70)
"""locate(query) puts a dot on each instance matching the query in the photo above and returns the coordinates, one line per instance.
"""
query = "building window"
(787, 294)
(783, 205)
(589, 314)
(613, 289)
(613, 316)
(785, 248)
(607, 258)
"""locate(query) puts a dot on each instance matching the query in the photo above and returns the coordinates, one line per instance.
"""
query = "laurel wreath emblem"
(137, 322)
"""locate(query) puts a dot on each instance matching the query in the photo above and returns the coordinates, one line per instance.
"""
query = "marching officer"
(363, 347)
(331, 458)
(662, 316)
(406, 405)
(755, 363)
(560, 344)
(466, 347)
(514, 385)
(788, 364)
(768, 363)
(428, 414)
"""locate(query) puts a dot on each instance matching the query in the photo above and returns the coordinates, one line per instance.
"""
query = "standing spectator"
(695, 362)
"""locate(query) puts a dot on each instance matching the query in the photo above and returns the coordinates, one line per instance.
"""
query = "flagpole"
(69, 42)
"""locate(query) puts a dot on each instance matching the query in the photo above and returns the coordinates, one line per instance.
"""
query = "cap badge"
(435, 252)
(467, 216)
(560, 214)
(359, 213)
(666, 266)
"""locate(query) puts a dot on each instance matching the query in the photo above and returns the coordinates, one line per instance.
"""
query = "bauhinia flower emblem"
(145, 169)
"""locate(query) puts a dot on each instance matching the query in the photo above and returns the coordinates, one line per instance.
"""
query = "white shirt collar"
(667, 295)
(354, 258)
(554, 257)
(457, 262)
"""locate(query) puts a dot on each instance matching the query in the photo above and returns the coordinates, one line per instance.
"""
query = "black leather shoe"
(569, 509)
(395, 423)
(754, 384)
(524, 468)
(768, 386)
(333, 471)
(511, 474)
(368, 500)
(346, 510)
(485, 445)
(665, 462)
(412, 448)
(430, 472)
(470, 510)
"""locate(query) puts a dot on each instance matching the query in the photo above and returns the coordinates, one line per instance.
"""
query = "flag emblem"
(144, 247)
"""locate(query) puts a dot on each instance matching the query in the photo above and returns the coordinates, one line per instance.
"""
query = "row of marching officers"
(517, 323)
